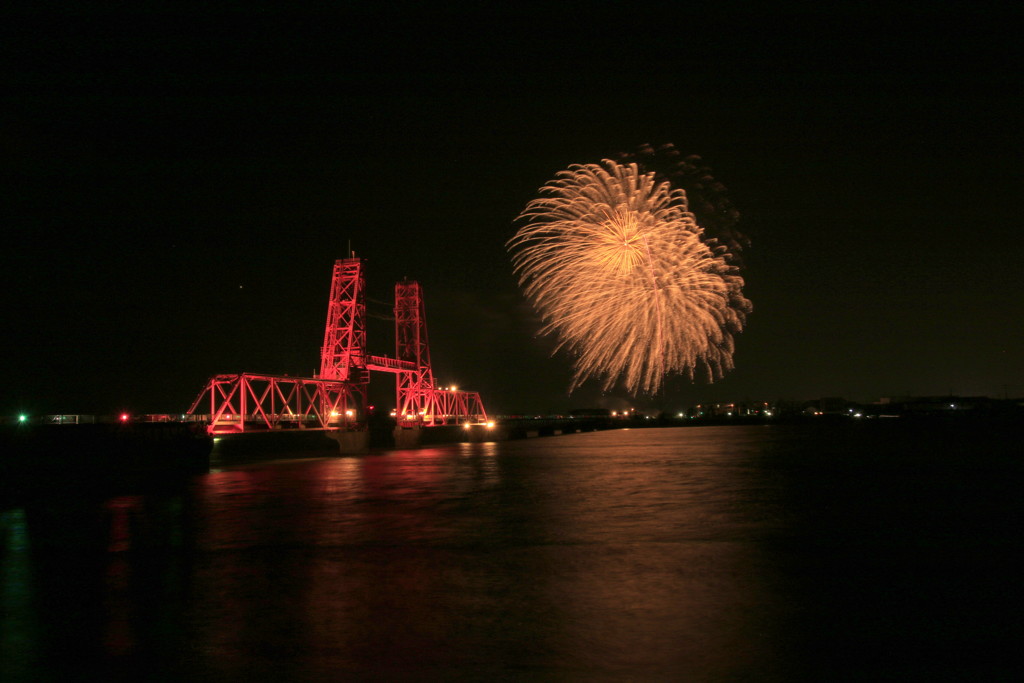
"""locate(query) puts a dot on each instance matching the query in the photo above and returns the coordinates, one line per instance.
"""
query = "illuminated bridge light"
(323, 399)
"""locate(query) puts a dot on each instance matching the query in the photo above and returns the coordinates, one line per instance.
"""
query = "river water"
(846, 551)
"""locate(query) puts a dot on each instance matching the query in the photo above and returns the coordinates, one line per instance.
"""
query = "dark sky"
(176, 188)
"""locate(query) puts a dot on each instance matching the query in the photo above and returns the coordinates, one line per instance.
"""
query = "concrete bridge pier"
(414, 437)
(408, 437)
(351, 442)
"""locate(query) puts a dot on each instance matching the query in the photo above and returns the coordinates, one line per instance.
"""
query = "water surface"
(821, 552)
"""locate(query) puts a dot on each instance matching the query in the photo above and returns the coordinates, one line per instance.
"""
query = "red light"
(124, 417)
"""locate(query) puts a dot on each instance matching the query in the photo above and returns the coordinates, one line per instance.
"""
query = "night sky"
(176, 189)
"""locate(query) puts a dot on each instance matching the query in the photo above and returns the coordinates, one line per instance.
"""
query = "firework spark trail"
(617, 267)
(706, 197)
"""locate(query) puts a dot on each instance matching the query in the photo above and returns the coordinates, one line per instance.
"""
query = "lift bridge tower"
(335, 400)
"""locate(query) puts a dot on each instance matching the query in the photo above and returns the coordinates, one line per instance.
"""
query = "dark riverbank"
(99, 459)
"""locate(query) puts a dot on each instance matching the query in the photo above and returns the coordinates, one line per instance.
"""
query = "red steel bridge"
(335, 400)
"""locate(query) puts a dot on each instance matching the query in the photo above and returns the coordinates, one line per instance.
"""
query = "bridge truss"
(336, 399)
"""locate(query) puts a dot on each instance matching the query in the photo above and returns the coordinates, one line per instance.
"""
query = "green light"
(22, 418)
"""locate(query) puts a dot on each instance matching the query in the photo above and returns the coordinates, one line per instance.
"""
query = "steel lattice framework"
(248, 401)
(419, 401)
(336, 399)
(343, 355)
(416, 387)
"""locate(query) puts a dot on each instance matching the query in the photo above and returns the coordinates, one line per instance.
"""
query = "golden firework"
(618, 269)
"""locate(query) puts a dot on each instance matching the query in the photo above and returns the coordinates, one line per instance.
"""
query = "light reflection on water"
(665, 554)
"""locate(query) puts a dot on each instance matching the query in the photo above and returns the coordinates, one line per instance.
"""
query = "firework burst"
(617, 267)
(706, 197)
